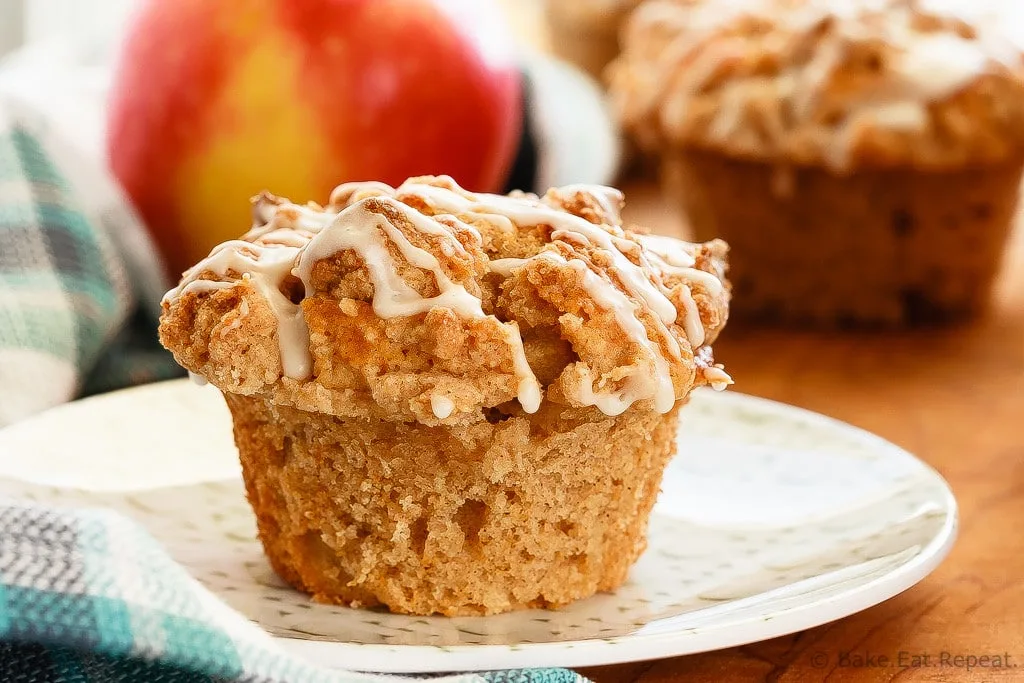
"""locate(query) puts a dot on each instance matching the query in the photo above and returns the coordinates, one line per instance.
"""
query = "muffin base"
(515, 512)
(875, 248)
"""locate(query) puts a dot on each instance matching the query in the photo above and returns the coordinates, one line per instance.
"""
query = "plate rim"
(398, 659)
(633, 647)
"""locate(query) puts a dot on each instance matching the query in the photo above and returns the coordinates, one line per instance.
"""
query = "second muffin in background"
(862, 159)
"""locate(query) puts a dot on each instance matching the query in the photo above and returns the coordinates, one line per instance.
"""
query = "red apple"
(215, 100)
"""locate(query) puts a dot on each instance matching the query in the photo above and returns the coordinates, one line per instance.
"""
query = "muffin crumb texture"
(527, 512)
(449, 402)
(876, 249)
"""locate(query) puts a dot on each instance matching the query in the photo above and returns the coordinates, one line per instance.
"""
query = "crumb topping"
(841, 83)
(428, 302)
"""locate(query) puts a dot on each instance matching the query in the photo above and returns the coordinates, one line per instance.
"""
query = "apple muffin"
(447, 402)
(861, 157)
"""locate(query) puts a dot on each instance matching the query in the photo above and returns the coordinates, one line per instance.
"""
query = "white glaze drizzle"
(276, 220)
(283, 237)
(527, 211)
(694, 331)
(608, 198)
(199, 286)
(291, 239)
(361, 230)
(265, 266)
(636, 281)
(243, 311)
(656, 382)
(449, 202)
(342, 193)
(670, 258)
(441, 406)
(670, 250)
(718, 378)
(523, 212)
(922, 65)
(528, 392)
(651, 382)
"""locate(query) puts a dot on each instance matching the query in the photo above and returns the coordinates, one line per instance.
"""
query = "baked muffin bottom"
(519, 511)
(890, 248)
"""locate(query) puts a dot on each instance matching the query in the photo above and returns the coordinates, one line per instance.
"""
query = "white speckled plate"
(771, 520)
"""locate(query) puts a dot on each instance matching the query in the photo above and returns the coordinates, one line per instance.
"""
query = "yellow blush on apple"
(216, 100)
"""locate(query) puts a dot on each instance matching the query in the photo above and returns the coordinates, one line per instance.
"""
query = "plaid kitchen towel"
(79, 281)
(88, 596)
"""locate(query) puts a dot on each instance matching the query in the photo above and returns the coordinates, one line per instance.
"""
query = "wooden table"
(956, 399)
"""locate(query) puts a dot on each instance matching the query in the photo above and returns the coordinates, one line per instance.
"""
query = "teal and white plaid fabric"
(79, 285)
(86, 596)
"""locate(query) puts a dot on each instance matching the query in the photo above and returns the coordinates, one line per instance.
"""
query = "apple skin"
(216, 100)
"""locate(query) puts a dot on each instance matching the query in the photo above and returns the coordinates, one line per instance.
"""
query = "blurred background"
(35, 20)
(890, 298)
(150, 134)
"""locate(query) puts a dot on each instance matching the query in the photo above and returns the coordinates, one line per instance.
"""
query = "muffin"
(862, 158)
(447, 402)
(586, 32)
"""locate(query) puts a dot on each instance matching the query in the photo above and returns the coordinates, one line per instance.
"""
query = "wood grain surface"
(955, 398)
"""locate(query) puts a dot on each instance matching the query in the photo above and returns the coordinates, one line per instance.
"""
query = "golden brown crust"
(521, 511)
(876, 248)
(825, 82)
(221, 324)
